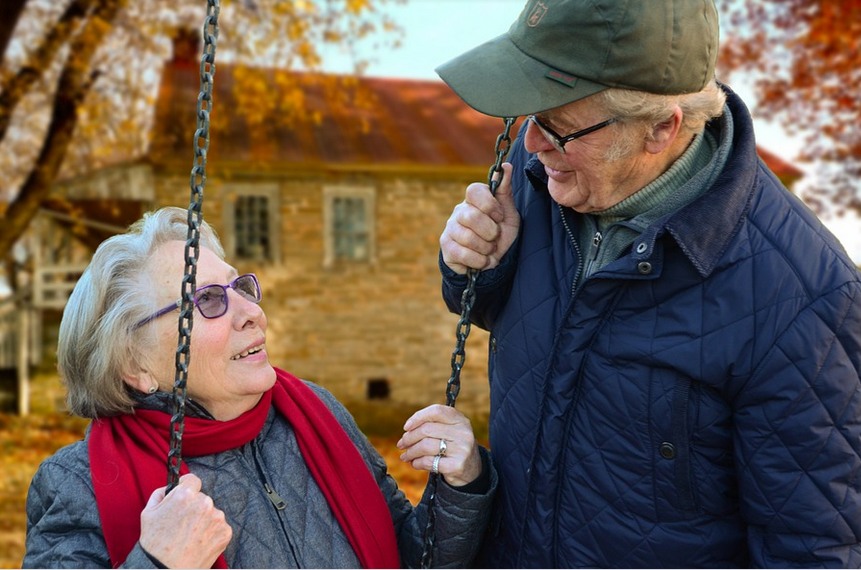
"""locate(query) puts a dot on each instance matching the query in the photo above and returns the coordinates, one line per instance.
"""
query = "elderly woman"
(276, 472)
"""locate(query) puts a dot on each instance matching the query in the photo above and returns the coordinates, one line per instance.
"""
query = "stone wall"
(356, 326)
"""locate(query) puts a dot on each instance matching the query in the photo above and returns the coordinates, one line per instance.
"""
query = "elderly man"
(675, 339)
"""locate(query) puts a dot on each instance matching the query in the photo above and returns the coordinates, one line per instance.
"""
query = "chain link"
(192, 253)
(192, 244)
(458, 356)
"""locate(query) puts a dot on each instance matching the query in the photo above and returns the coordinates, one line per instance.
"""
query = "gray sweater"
(63, 527)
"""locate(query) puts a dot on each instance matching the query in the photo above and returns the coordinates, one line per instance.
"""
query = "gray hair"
(98, 342)
(643, 111)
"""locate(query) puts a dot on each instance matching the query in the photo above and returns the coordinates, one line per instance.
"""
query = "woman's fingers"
(443, 436)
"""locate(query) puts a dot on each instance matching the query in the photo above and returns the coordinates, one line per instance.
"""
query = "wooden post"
(23, 361)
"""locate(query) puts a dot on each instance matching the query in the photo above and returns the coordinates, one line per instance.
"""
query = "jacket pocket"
(682, 438)
(674, 480)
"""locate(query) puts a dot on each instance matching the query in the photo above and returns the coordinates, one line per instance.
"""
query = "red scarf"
(128, 461)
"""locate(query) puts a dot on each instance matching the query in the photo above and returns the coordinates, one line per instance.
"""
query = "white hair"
(641, 112)
(98, 341)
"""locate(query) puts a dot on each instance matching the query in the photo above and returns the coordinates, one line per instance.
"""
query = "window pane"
(350, 228)
(251, 228)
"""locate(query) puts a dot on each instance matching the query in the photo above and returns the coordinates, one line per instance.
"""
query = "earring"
(153, 389)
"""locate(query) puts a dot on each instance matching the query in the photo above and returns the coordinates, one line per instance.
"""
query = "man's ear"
(664, 134)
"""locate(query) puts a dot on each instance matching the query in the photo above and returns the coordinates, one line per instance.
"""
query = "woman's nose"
(244, 308)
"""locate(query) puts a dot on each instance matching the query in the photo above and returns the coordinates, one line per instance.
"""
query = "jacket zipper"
(273, 496)
(580, 264)
(576, 249)
(279, 503)
(596, 245)
(276, 499)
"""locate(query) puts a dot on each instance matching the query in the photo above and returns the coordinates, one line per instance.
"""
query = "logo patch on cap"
(562, 78)
(536, 14)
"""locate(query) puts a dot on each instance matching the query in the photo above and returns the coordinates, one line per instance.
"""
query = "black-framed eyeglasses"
(211, 300)
(559, 141)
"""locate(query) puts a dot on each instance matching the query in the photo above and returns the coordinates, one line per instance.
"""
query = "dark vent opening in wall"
(378, 389)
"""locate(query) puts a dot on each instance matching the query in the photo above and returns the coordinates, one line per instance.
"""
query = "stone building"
(339, 216)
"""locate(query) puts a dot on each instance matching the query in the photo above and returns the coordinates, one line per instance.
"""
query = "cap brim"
(498, 79)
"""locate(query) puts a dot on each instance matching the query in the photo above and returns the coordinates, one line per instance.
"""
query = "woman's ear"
(142, 381)
(665, 133)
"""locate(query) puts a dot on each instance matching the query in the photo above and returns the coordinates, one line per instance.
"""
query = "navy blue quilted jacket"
(695, 403)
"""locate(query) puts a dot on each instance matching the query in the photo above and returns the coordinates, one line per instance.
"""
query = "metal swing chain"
(192, 244)
(458, 356)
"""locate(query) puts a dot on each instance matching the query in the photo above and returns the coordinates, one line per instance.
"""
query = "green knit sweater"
(605, 235)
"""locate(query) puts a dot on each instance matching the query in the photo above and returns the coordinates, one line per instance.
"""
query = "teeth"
(254, 350)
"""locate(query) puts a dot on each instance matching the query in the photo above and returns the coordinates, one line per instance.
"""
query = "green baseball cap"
(560, 51)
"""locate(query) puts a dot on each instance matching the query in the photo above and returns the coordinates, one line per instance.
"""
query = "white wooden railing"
(53, 284)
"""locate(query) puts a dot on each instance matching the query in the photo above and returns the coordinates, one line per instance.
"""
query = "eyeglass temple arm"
(166, 310)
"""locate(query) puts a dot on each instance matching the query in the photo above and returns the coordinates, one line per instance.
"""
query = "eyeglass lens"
(551, 137)
(211, 300)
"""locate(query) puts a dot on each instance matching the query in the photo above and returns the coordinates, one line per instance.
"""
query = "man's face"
(583, 177)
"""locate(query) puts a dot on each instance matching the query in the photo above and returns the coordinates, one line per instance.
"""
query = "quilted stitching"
(764, 324)
(61, 499)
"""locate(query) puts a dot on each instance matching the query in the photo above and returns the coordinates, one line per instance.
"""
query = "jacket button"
(642, 247)
(667, 450)
(644, 267)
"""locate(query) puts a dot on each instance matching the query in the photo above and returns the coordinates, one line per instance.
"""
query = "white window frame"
(365, 193)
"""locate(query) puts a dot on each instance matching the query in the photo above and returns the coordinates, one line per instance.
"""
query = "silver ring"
(442, 447)
(435, 467)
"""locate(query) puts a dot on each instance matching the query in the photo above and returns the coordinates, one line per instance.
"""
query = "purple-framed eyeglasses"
(211, 300)
(559, 141)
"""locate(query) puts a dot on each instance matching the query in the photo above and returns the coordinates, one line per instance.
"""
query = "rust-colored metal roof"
(780, 167)
(377, 123)
(383, 122)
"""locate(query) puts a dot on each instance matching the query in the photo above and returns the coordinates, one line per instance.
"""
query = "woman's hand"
(184, 529)
(460, 463)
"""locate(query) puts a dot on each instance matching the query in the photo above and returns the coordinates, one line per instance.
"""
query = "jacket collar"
(704, 228)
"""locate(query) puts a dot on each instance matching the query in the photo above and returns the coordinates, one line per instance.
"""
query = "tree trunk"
(75, 81)
(11, 11)
(15, 86)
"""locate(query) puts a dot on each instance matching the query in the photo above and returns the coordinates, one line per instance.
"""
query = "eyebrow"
(231, 275)
(552, 123)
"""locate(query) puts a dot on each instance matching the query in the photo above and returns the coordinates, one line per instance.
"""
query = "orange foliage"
(24, 443)
(804, 56)
(108, 55)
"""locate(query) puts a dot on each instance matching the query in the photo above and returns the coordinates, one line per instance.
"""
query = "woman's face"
(229, 369)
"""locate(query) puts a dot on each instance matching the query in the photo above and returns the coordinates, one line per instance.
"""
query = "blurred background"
(334, 160)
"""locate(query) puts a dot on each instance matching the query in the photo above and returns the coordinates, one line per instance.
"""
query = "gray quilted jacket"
(63, 527)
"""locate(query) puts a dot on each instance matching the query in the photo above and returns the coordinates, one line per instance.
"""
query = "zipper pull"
(596, 243)
(275, 497)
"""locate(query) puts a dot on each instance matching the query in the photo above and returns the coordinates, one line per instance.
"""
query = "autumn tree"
(805, 61)
(78, 77)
